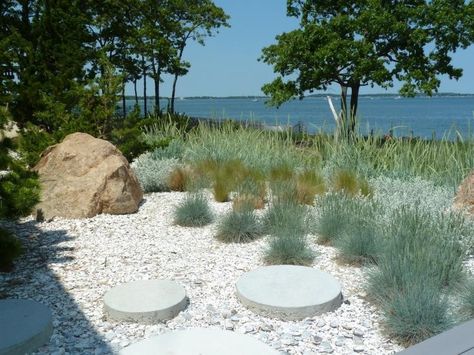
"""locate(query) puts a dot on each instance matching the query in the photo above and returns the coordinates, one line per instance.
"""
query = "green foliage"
(10, 249)
(417, 312)
(367, 43)
(251, 190)
(348, 182)
(194, 211)
(241, 226)
(33, 141)
(309, 184)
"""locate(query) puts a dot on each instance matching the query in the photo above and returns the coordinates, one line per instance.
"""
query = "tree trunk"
(354, 102)
(135, 91)
(175, 80)
(124, 103)
(344, 123)
(156, 81)
(145, 108)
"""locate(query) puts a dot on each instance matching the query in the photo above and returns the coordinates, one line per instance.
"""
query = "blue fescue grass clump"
(287, 224)
(417, 312)
(193, 211)
(286, 215)
(288, 248)
(239, 226)
(467, 299)
(361, 239)
(418, 244)
(335, 211)
(420, 262)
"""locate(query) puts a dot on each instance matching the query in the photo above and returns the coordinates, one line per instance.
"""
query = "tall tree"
(195, 20)
(357, 43)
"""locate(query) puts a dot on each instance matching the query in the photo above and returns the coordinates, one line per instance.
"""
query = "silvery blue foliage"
(153, 173)
(395, 193)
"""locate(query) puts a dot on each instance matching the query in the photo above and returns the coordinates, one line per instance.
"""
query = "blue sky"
(227, 65)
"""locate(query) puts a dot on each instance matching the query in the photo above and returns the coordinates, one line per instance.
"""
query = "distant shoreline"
(250, 97)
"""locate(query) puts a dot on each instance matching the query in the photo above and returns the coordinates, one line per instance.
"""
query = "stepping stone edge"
(25, 326)
(323, 292)
(145, 301)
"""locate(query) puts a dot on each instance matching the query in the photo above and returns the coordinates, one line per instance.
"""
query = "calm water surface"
(420, 116)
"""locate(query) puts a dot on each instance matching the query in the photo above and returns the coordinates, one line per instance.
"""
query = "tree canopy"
(368, 42)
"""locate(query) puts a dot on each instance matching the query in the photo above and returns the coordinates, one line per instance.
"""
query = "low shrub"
(417, 312)
(308, 185)
(194, 211)
(287, 248)
(239, 227)
(10, 249)
(153, 174)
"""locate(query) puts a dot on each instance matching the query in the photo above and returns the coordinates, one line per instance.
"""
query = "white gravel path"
(72, 263)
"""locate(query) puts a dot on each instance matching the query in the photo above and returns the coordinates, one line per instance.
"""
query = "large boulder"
(84, 176)
(465, 196)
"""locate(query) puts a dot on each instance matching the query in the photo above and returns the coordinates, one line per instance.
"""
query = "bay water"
(424, 117)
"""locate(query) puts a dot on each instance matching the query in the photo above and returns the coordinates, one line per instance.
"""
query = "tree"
(195, 20)
(357, 43)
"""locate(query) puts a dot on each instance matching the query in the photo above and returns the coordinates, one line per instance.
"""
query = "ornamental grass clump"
(194, 211)
(361, 239)
(309, 184)
(178, 179)
(348, 182)
(417, 312)
(251, 191)
(239, 226)
(467, 299)
(418, 246)
(335, 211)
(287, 248)
(286, 215)
(287, 225)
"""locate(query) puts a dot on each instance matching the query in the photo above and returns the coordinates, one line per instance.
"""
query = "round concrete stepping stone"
(289, 292)
(200, 341)
(145, 301)
(25, 326)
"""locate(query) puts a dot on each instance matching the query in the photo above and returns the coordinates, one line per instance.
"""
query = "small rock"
(358, 332)
(228, 325)
(334, 323)
(266, 327)
(234, 318)
(340, 341)
(321, 323)
(359, 348)
(211, 308)
(326, 347)
(347, 335)
(317, 340)
(348, 326)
